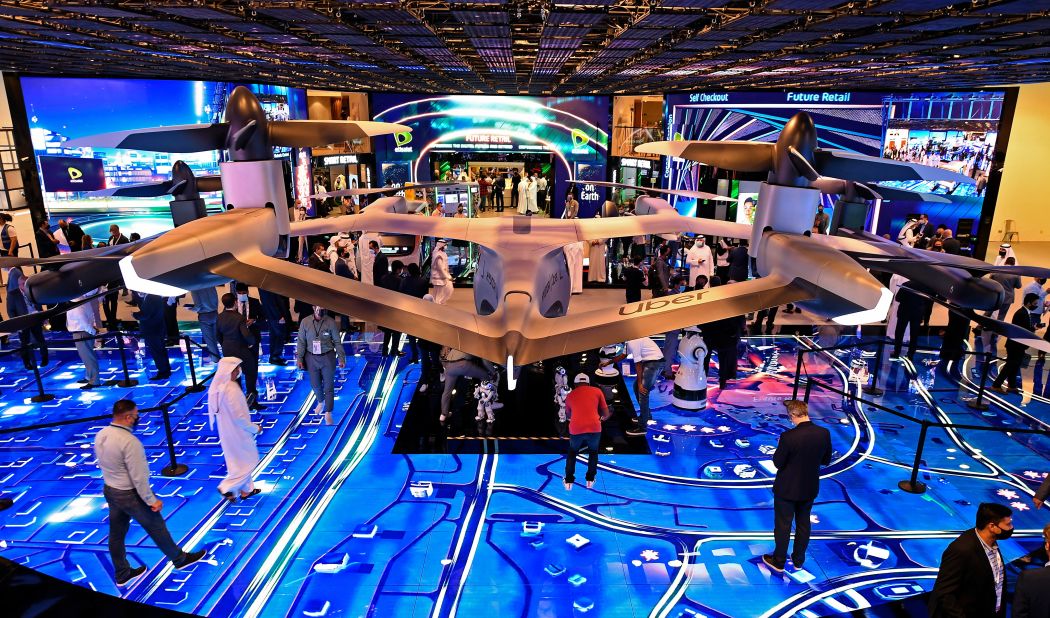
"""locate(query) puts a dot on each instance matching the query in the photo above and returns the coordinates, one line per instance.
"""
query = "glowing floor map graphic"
(345, 528)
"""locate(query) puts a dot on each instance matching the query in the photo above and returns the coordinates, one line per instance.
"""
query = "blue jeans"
(647, 377)
(576, 444)
(86, 350)
(321, 368)
(125, 505)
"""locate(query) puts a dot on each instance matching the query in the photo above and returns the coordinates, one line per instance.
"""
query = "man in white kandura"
(440, 277)
(237, 432)
(523, 196)
(700, 261)
(574, 257)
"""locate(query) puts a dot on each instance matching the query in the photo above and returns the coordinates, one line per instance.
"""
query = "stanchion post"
(173, 468)
(194, 386)
(979, 404)
(874, 389)
(41, 396)
(798, 373)
(914, 485)
(127, 381)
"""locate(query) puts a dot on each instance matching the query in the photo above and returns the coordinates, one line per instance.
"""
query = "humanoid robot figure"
(690, 382)
(561, 378)
(488, 401)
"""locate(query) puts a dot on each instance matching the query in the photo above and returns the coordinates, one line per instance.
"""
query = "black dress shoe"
(278, 361)
(256, 406)
(772, 562)
(160, 376)
(135, 572)
(82, 381)
(89, 386)
(6, 503)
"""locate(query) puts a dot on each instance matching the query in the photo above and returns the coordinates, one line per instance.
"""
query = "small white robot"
(690, 383)
(488, 401)
(561, 379)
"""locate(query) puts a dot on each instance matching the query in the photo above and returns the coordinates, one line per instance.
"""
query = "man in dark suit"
(414, 285)
(910, 310)
(392, 282)
(252, 311)
(971, 581)
(380, 267)
(1015, 351)
(109, 301)
(278, 318)
(1032, 594)
(151, 324)
(237, 340)
(318, 260)
(800, 453)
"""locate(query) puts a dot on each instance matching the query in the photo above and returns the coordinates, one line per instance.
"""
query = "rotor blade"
(802, 164)
(113, 252)
(381, 190)
(153, 189)
(206, 184)
(178, 138)
(245, 133)
(978, 268)
(731, 155)
(304, 133)
(853, 166)
(1004, 329)
(30, 320)
(891, 194)
(699, 195)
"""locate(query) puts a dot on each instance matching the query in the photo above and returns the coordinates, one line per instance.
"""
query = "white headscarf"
(222, 378)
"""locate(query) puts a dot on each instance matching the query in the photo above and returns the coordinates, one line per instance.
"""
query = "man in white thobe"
(574, 257)
(237, 433)
(532, 195)
(523, 196)
(700, 261)
(440, 277)
(596, 266)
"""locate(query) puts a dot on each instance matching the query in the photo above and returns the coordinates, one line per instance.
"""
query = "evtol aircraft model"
(521, 286)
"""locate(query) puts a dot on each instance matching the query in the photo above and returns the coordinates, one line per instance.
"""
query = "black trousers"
(727, 359)
(768, 316)
(26, 338)
(250, 367)
(109, 308)
(784, 512)
(155, 346)
(911, 322)
(514, 196)
(541, 200)
(390, 340)
(497, 200)
(1011, 370)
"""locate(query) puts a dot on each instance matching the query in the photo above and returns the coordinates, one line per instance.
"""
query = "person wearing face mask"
(821, 220)
(236, 339)
(125, 472)
(237, 432)
(252, 311)
(971, 582)
(317, 350)
(1006, 251)
(380, 264)
(700, 261)
(440, 277)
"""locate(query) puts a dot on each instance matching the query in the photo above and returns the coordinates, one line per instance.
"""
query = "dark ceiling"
(536, 47)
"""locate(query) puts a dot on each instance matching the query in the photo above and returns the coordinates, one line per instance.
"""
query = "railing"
(627, 138)
(912, 484)
(174, 468)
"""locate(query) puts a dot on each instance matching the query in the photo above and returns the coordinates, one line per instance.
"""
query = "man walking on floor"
(971, 580)
(122, 459)
(586, 408)
(317, 350)
(1015, 351)
(800, 454)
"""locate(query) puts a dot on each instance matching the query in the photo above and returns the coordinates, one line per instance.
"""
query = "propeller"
(1003, 329)
(30, 320)
(246, 133)
(182, 185)
(795, 160)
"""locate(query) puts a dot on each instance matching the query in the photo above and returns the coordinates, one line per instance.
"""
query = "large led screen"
(60, 109)
(565, 137)
(955, 130)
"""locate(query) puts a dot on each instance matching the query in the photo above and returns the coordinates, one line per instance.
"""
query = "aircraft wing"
(22, 322)
(699, 195)
(577, 332)
(664, 222)
(731, 155)
(306, 133)
(177, 138)
(380, 190)
(864, 168)
(436, 323)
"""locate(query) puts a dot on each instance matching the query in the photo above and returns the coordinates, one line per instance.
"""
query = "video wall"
(955, 130)
(567, 135)
(60, 109)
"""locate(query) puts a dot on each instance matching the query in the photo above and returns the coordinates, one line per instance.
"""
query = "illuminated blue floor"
(344, 528)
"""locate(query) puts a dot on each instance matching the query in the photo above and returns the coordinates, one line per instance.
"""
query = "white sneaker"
(319, 408)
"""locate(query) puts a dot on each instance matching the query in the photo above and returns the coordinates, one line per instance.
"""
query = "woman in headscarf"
(237, 432)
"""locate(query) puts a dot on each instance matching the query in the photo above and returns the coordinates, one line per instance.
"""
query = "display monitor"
(71, 174)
